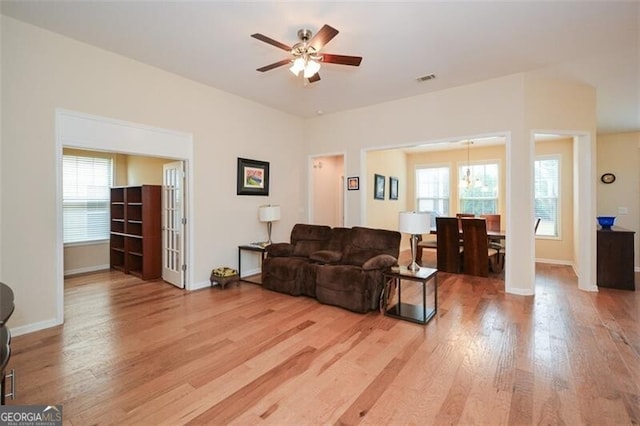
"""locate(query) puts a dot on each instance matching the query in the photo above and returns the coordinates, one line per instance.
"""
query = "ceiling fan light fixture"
(311, 69)
(298, 65)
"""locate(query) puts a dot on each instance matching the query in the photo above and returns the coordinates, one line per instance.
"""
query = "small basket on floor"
(223, 276)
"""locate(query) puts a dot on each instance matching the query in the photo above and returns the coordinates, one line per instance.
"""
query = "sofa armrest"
(381, 261)
(326, 256)
(279, 249)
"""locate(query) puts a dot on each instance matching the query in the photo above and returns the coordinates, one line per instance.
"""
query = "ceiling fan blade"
(271, 41)
(274, 65)
(341, 59)
(323, 37)
(314, 78)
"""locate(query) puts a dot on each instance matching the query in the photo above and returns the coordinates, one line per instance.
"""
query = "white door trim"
(78, 130)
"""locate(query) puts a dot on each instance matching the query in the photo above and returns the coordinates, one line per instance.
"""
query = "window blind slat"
(86, 185)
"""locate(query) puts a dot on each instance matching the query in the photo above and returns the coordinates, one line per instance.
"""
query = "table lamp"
(269, 214)
(414, 223)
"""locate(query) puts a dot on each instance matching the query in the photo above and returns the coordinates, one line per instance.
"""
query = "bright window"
(478, 190)
(432, 189)
(86, 183)
(547, 182)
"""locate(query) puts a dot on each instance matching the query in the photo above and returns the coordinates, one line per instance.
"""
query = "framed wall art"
(353, 183)
(253, 177)
(393, 188)
(378, 187)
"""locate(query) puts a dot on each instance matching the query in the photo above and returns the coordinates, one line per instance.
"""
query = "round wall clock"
(608, 178)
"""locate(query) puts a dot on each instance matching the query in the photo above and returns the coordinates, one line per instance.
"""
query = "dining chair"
(448, 249)
(463, 215)
(429, 242)
(493, 224)
(477, 253)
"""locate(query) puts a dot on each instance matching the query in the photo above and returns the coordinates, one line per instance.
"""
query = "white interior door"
(173, 224)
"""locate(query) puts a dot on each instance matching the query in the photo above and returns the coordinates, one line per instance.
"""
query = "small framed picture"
(253, 177)
(393, 188)
(378, 188)
(353, 183)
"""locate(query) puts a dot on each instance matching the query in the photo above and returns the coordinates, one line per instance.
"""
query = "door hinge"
(184, 220)
(184, 267)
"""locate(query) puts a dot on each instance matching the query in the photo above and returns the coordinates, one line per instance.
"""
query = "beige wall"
(383, 214)
(42, 71)
(145, 170)
(620, 154)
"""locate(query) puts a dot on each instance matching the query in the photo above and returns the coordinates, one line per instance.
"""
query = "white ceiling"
(460, 42)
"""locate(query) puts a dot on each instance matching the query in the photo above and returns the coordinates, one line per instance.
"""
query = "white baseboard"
(555, 262)
(200, 285)
(251, 272)
(30, 328)
(87, 269)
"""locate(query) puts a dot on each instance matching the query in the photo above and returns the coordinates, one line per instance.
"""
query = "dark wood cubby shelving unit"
(136, 239)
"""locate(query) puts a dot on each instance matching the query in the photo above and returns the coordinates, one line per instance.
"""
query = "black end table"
(415, 307)
(254, 248)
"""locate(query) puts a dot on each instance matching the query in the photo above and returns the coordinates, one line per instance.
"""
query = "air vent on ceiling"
(426, 78)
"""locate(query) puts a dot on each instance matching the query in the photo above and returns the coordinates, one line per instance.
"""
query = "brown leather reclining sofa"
(337, 266)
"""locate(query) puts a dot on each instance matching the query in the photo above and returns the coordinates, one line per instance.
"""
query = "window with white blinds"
(478, 190)
(86, 183)
(432, 190)
(547, 182)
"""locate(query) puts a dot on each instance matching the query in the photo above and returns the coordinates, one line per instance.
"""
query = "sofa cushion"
(279, 249)
(307, 239)
(304, 248)
(326, 256)
(366, 243)
(381, 261)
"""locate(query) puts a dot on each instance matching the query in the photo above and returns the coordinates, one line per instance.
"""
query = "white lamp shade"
(414, 223)
(269, 213)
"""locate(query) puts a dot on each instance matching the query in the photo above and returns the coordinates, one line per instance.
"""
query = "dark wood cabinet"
(615, 259)
(136, 238)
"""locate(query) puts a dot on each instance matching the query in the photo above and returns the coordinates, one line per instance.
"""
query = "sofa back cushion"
(339, 239)
(366, 243)
(307, 239)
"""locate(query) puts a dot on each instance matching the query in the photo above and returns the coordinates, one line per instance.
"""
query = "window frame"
(101, 156)
(558, 158)
(432, 166)
(484, 162)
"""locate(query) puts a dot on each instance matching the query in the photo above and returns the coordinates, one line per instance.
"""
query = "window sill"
(86, 243)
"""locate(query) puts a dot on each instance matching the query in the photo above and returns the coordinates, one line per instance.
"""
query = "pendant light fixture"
(466, 179)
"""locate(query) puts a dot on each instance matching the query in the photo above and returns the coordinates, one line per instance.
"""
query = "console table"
(6, 309)
(253, 248)
(415, 308)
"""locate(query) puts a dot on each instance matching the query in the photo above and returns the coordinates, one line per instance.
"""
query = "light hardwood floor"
(133, 352)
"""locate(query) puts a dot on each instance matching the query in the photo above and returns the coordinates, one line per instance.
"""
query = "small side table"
(254, 248)
(415, 311)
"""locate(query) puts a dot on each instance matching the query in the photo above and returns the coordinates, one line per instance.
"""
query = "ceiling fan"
(306, 56)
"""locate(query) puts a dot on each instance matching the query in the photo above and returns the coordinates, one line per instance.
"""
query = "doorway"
(327, 190)
(88, 132)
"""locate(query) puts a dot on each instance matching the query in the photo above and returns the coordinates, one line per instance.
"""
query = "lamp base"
(414, 267)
